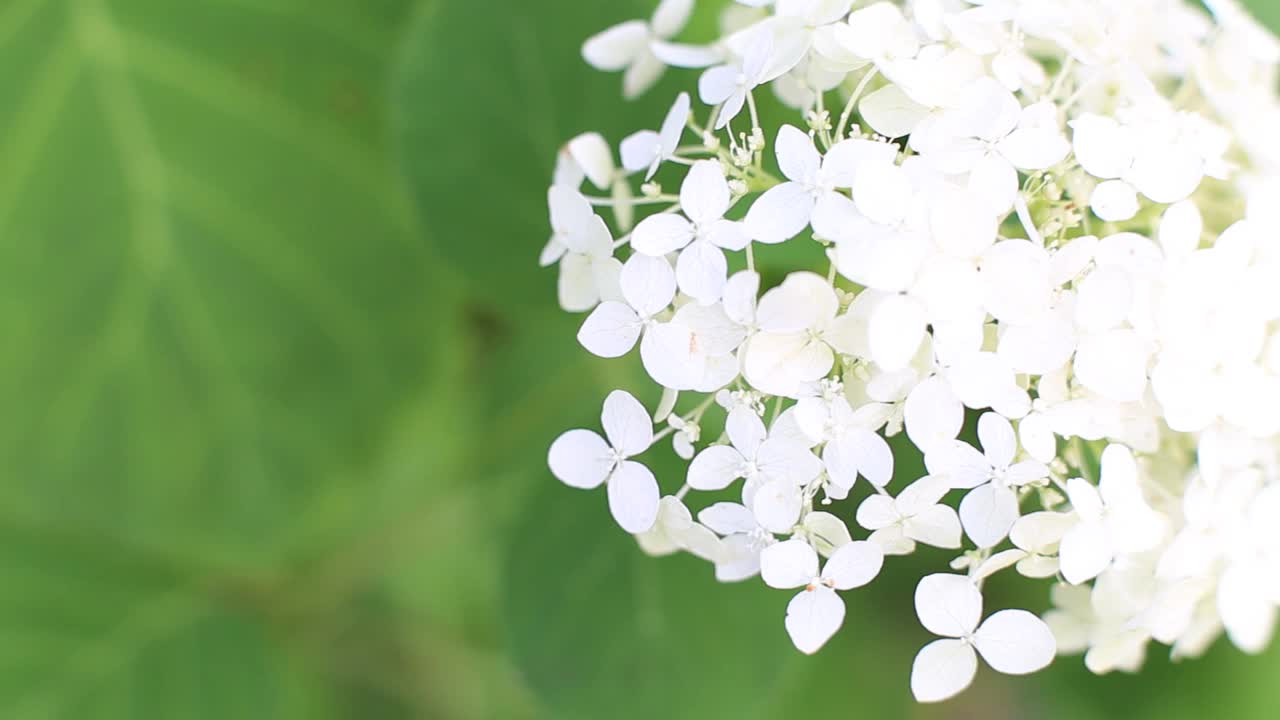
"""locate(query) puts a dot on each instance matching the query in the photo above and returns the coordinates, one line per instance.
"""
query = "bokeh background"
(278, 372)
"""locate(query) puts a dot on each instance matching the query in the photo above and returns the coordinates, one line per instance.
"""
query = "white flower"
(991, 136)
(629, 46)
(583, 459)
(647, 150)
(816, 612)
(1013, 642)
(674, 530)
(812, 179)
(990, 508)
(916, 515)
(728, 85)
(648, 285)
(582, 244)
(798, 330)
(1038, 536)
(1114, 518)
(777, 467)
(742, 540)
(705, 198)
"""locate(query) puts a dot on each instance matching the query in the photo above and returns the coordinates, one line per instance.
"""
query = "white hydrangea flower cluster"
(1058, 215)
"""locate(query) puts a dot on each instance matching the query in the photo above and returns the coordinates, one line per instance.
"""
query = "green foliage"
(281, 371)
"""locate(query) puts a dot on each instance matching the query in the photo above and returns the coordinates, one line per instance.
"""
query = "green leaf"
(214, 314)
(602, 630)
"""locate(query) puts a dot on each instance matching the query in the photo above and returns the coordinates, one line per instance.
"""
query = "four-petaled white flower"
(646, 150)
(629, 46)
(784, 210)
(743, 538)
(916, 515)
(776, 468)
(1013, 642)
(583, 459)
(990, 508)
(582, 244)
(990, 136)
(816, 613)
(729, 85)
(1114, 518)
(798, 336)
(701, 238)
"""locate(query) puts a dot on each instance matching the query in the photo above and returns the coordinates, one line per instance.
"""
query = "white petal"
(942, 669)
(746, 430)
(1167, 176)
(937, 525)
(1113, 364)
(827, 532)
(813, 616)
(633, 497)
(779, 364)
(580, 459)
(660, 234)
(877, 512)
(1040, 532)
(642, 75)
(1104, 149)
(804, 301)
(883, 193)
(1016, 275)
(701, 272)
(963, 225)
(616, 47)
(717, 84)
(987, 513)
(788, 564)
(854, 565)
(1180, 229)
(780, 214)
(611, 330)
(648, 284)
(1104, 298)
(922, 494)
(728, 518)
(948, 605)
(1015, 642)
(740, 295)
(1034, 148)
(1114, 201)
(1037, 437)
(626, 423)
(784, 459)
(932, 414)
(1084, 552)
(997, 438)
(797, 156)
(859, 452)
(959, 463)
(891, 113)
(995, 180)
(639, 150)
(593, 154)
(1249, 616)
(715, 468)
(896, 329)
(704, 195)
(777, 506)
(576, 288)
(668, 353)
(728, 234)
(671, 17)
(845, 159)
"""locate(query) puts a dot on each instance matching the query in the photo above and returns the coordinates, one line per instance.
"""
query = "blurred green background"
(280, 369)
